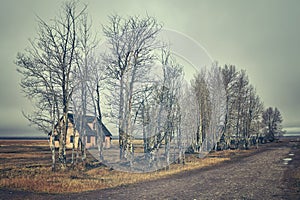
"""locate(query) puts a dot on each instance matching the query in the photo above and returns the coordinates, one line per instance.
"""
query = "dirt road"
(262, 175)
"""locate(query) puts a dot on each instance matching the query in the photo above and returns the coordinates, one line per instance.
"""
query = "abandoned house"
(89, 127)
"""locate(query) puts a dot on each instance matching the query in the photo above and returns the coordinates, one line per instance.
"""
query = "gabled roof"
(88, 119)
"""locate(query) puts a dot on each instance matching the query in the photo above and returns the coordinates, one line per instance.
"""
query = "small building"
(89, 127)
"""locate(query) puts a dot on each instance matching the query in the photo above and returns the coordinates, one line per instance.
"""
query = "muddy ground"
(260, 175)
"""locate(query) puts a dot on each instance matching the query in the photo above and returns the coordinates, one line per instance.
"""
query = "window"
(72, 139)
(56, 138)
(88, 139)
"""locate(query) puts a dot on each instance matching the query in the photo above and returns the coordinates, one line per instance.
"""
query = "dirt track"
(262, 175)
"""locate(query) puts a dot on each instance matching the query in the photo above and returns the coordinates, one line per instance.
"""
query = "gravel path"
(255, 177)
(258, 176)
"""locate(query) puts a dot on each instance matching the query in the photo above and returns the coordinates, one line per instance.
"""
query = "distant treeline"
(23, 138)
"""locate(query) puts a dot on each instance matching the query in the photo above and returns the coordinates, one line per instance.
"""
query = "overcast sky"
(262, 37)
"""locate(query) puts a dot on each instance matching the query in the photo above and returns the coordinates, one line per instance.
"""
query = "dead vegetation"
(26, 165)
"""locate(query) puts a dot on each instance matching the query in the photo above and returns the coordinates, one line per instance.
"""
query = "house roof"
(88, 119)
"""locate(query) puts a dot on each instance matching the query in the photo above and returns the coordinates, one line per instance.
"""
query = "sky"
(260, 36)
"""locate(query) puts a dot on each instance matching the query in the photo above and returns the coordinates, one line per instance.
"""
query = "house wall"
(70, 133)
(107, 142)
(91, 144)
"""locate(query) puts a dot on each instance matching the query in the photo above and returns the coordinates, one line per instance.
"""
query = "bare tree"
(169, 100)
(201, 90)
(242, 108)
(132, 43)
(95, 85)
(189, 118)
(229, 75)
(38, 86)
(253, 112)
(161, 113)
(86, 74)
(52, 56)
(210, 97)
(218, 104)
(241, 90)
(272, 119)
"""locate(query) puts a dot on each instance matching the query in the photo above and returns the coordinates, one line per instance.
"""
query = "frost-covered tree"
(202, 93)
(271, 120)
(217, 99)
(229, 76)
(132, 43)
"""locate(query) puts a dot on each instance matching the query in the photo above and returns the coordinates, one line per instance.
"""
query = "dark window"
(88, 139)
(56, 138)
(71, 139)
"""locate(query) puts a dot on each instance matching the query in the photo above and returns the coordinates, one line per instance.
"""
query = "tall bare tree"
(160, 111)
(189, 120)
(87, 75)
(39, 87)
(252, 114)
(271, 120)
(95, 85)
(169, 100)
(132, 42)
(229, 75)
(52, 56)
(218, 104)
(241, 90)
(201, 90)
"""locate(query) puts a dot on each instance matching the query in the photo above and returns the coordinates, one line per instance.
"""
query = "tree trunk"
(121, 120)
(99, 121)
(53, 150)
(73, 146)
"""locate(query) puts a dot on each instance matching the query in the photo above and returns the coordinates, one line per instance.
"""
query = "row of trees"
(62, 74)
(144, 89)
(240, 119)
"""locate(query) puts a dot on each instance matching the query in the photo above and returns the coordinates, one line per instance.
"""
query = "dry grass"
(26, 166)
(135, 141)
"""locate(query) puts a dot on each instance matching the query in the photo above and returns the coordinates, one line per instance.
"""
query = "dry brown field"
(26, 166)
